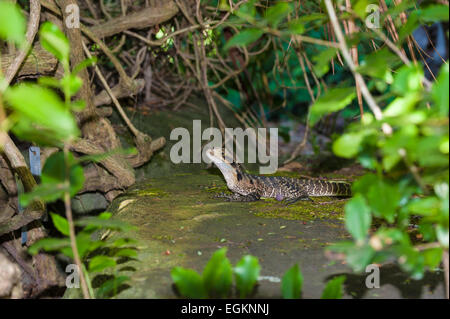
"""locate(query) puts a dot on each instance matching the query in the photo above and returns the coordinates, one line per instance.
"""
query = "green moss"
(319, 208)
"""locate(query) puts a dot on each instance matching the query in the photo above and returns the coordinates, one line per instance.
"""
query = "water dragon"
(247, 187)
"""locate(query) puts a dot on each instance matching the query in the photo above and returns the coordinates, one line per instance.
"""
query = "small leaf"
(244, 38)
(55, 42)
(348, 145)
(111, 286)
(126, 252)
(246, 272)
(218, 274)
(42, 107)
(333, 289)
(188, 282)
(99, 263)
(357, 217)
(48, 244)
(12, 22)
(60, 223)
(276, 13)
(333, 100)
(291, 284)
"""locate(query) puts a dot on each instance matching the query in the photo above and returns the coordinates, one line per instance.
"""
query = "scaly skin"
(246, 187)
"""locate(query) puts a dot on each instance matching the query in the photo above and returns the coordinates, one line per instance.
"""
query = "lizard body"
(247, 187)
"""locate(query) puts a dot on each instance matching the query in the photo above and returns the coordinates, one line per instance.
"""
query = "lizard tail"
(329, 188)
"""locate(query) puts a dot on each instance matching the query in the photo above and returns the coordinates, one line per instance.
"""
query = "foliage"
(39, 115)
(216, 279)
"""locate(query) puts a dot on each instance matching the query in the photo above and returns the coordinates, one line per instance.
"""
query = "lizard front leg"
(235, 197)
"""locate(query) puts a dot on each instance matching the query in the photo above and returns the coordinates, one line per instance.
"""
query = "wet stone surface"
(180, 223)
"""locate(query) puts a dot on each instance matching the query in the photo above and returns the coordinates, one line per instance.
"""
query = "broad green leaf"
(402, 105)
(188, 282)
(126, 252)
(378, 65)
(333, 289)
(244, 38)
(48, 244)
(296, 26)
(99, 263)
(45, 192)
(333, 100)
(440, 91)
(434, 13)
(384, 198)
(348, 145)
(276, 13)
(110, 287)
(359, 257)
(246, 272)
(291, 284)
(408, 79)
(96, 222)
(60, 223)
(432, 257)
(12, 22)
(323, 60)
(55, 172)
(357, 217)
(218, 274)
(411, 260)
(42, 107)
(55, 42)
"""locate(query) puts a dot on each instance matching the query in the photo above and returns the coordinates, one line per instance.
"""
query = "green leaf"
(402, 105)
(188, 282)
(244, 38)
(55, 169)
(246, 272)
(408, 79)
(384, 198)
(71, 84)
(45, 192)
(434, 13)
(98, 222)
(333, 100)
(126, 252)
(42, 107)
(432, 257)
(60, 223)
(84, 64)
(348, 145)
(48, 244)
(54, 41)
(291, 284)
(296, 26)
(218, 274)
(440, 91)
(357, 217)
(99, 263)
(276, 13)
(12, 22)
(323, 60)
(111, 286)
(333, 289)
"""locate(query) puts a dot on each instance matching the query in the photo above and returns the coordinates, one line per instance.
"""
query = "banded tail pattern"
(316, 187)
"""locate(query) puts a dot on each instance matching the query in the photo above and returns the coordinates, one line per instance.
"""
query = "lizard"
(247, 187)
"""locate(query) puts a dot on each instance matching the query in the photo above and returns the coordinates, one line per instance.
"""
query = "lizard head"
(232, 171)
